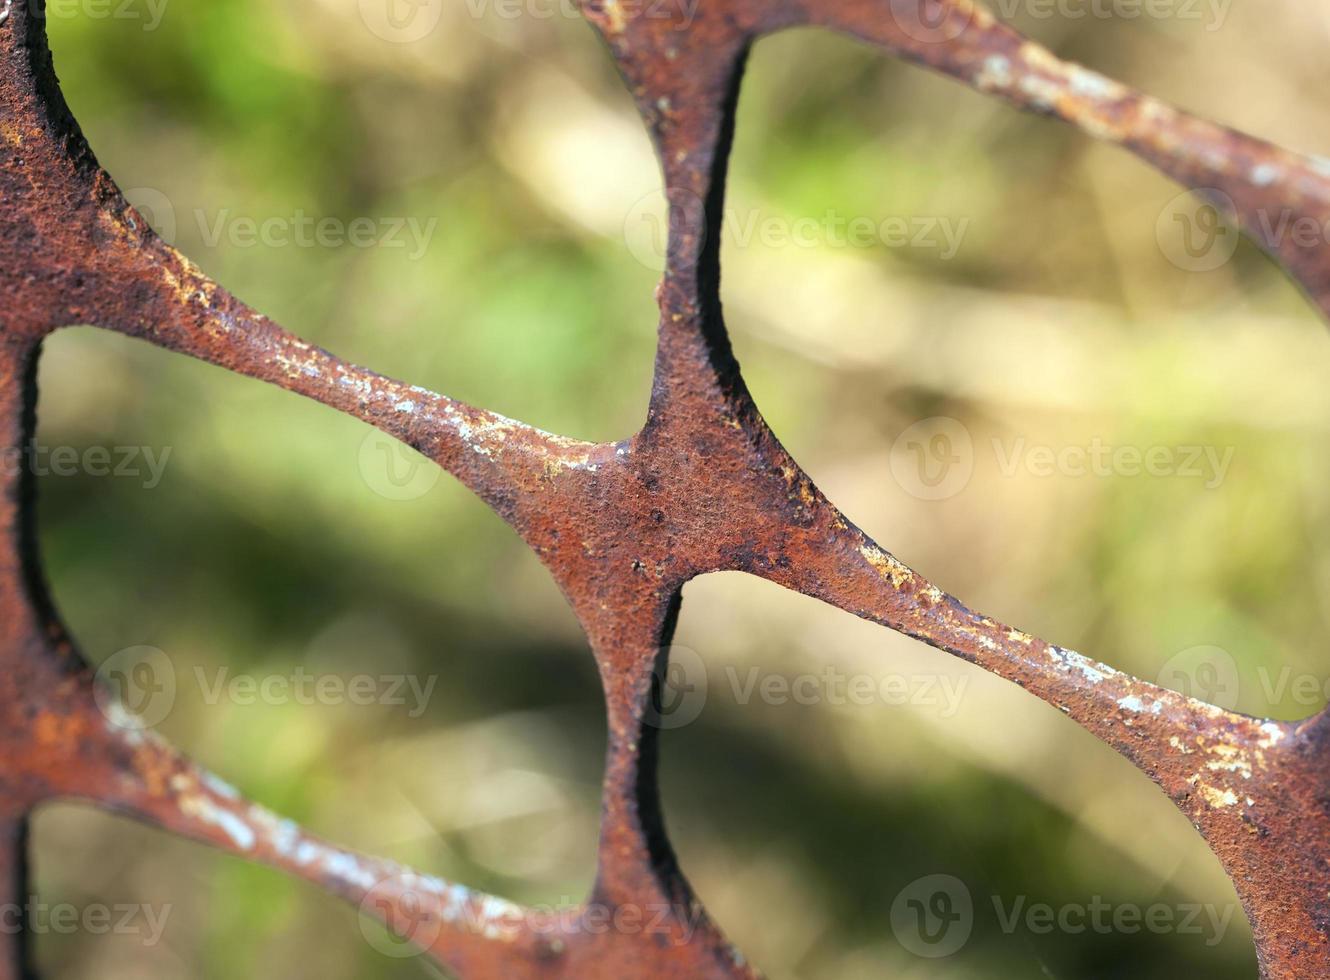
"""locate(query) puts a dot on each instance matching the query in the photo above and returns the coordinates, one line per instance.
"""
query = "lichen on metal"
(704, 486)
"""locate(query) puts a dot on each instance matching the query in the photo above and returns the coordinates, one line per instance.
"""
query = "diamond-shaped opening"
(1094, 428)
(841, 771)
(449, 208)
(323, 654)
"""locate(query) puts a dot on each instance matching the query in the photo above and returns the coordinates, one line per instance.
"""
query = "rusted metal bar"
(704, 486)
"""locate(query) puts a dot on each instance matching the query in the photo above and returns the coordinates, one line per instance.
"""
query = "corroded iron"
(704, 486)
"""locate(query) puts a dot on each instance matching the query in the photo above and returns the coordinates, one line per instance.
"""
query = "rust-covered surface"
(704, 486)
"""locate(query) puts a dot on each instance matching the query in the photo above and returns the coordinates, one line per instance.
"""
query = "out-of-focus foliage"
(1056, 320)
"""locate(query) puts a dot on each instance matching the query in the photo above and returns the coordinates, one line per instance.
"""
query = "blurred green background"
(1059, 320)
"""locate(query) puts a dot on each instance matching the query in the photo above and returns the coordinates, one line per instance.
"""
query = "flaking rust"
(704, 486)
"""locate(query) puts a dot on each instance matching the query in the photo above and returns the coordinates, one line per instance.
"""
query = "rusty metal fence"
(704, 486)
